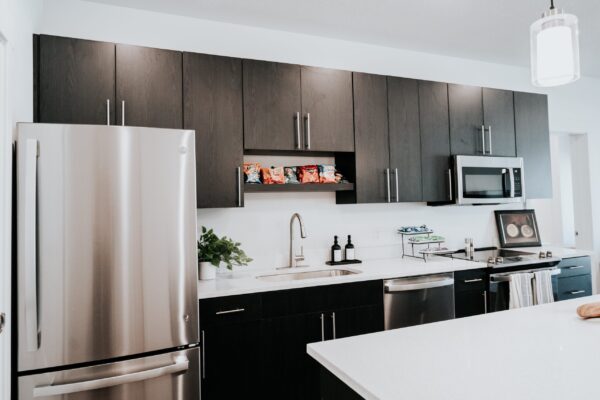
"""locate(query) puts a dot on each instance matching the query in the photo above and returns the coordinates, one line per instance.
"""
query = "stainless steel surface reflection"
(295, 276)
(115, 232)
(172, 376)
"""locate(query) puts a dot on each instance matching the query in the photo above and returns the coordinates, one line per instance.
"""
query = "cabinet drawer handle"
(237, 310)
(485, 305)
(473, 280)
(107, 112)
(297, 118)
(203, 355)
(322, 328)
(450, 184)
(238, 171)
(387, 184)
(577, 292)
(397, 189)
(576, 267)
(483, 139)
(307, 127)
(333, 320)
(490, 138)
(122, 112)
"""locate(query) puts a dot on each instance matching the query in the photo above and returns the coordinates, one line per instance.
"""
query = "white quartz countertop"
(542, 352)
(243, 282)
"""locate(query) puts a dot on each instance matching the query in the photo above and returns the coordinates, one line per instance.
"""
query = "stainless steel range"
(501, 264)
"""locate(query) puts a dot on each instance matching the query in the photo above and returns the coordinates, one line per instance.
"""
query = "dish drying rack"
(424, 253)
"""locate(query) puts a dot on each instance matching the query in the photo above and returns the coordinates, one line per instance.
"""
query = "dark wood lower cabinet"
(358, 321)
(332, 388)
(470, 293)
(230, 362)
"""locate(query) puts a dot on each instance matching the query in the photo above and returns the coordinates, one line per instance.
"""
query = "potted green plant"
(214, 251)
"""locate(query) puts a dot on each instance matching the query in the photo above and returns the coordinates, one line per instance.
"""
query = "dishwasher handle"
(391, 287)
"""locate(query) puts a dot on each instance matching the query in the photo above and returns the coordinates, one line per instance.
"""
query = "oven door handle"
(404, 287)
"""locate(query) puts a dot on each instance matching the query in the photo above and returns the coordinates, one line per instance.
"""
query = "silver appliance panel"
(509, 163)
(418, 300)
(171, 376)
(106, 242)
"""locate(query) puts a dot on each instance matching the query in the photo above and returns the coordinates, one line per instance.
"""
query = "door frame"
(5, 220)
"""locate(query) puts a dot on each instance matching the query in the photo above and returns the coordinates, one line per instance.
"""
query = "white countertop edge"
(342, 376)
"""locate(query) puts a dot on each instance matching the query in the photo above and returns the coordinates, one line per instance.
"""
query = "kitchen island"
(542, 352)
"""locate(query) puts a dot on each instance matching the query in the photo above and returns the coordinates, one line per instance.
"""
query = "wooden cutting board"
(589, 310)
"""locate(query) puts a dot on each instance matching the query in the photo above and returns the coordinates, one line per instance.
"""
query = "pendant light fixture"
(554, 48)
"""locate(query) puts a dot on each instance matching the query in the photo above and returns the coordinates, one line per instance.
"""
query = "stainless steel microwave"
(489, 180)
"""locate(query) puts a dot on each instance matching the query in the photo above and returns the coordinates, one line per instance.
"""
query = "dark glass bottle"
(336, 250)
(349, 249)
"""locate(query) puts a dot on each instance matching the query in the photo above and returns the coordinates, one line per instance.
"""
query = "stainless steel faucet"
(295, 258)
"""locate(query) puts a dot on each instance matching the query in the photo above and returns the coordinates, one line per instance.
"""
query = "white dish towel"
(542, 287)
(520, 290)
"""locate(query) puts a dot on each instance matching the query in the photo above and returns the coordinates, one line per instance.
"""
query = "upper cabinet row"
(393, 137)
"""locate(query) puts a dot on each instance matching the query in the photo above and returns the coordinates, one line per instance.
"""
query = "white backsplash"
(262, 226)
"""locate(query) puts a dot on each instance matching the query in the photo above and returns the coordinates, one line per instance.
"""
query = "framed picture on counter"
(517, 228)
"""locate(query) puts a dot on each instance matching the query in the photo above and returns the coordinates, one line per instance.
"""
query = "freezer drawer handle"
(181, 364)
(403, 287)
(30, 258)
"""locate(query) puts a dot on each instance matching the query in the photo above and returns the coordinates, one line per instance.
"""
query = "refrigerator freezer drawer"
(171, 376)
(107, 263)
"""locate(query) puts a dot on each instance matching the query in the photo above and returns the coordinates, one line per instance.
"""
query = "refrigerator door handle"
(181, 364)
(30, 258)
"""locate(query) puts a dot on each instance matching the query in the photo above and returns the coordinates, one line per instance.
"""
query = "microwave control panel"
(518, 184)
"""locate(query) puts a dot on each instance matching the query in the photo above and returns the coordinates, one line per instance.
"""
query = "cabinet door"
(230, 352)
(212, 100)
(271, 104)
(469, 302)
(289, 372)
(357, 321)
(533, 143)
(499, 119)
(327, 109)
(466, 120)
(149, 81)
(373, 180)
(76, 78)
(435, 141)
(405, 138)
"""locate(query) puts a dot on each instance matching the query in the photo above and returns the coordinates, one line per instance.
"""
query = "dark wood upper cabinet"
(533, 143)
(327, 109)
(76, 78)
(212, 106)
(405, 138)
(272, 106)
(466, 120)
(499, 119)
(435, 141)
(373, 180)
(149, 81)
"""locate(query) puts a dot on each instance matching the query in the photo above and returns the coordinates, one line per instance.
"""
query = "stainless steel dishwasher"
(418, 300)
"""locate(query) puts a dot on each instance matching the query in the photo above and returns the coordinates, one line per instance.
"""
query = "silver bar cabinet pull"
(490, 137)
(307, 127)
(297, 118)
(577, 292)
(107, 112)
(485, 306)
(203, 354)
(397, 189)
(122, 112)
(483, 139)
(387, 183)
(30, 258)
(333, 319)
(234, 311)
(450, 184)
(239, 186)
(322, 328)
(576, 267)
(472, 280)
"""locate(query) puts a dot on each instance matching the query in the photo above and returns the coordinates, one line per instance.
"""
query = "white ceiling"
(487, 30)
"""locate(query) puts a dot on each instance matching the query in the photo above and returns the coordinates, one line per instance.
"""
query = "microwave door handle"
(512, 183)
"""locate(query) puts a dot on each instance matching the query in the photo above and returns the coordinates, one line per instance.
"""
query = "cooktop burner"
(502, 258)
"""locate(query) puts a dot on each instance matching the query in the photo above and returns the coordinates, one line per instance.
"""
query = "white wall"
(17, 22)
(262, 225)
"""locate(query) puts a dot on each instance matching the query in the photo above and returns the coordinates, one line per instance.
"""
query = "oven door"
(499, 293)
(486, 180)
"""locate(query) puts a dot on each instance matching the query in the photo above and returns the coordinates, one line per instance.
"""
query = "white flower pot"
(206, 271)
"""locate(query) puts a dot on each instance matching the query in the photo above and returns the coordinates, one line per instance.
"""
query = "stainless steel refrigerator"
(106, 259)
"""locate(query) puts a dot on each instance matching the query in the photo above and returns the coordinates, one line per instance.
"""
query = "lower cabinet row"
(254, 346)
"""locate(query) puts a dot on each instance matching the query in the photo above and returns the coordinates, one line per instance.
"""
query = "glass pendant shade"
(555, 49)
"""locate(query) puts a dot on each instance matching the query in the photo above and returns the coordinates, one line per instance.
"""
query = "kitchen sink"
(296, 276)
